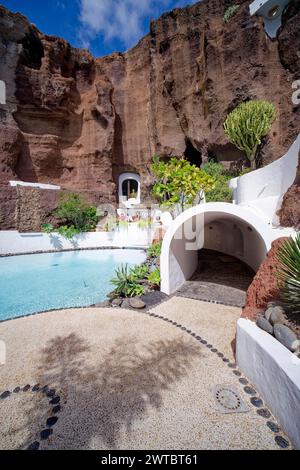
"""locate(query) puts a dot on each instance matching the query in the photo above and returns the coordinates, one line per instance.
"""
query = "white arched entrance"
(130, 188)
(224, 227)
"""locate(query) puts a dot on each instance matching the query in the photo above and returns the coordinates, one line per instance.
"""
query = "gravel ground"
(125, 380)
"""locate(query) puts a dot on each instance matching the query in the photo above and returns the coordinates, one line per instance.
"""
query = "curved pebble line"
(51, 421)
(248, 389)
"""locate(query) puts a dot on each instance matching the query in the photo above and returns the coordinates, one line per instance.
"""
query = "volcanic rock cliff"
(77, 121)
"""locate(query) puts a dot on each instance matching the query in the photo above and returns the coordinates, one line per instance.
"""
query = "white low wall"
(274, 371)
(12, 242)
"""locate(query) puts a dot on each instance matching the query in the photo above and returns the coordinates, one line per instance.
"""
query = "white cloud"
(117, 19)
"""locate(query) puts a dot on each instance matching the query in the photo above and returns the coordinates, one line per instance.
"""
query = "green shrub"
(154, 277)
(178, 182)
(126, 285)
(73, 211)
(221, 191)
(230, 12)
(247, 124)
(289, 272)
(47, 228)
(139, 272)
(154, 250)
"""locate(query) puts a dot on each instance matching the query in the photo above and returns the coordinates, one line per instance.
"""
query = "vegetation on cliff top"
(247, 124)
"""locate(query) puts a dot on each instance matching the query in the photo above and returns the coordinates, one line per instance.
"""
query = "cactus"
(247, 124)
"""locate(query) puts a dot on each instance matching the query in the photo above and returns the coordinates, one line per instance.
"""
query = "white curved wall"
(262, 190)
(228, 228)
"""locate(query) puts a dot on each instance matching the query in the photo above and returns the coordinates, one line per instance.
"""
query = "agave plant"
(289, 272)
(126, 284)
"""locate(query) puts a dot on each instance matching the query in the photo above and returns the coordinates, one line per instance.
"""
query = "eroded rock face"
(264, 287)
(79, 122)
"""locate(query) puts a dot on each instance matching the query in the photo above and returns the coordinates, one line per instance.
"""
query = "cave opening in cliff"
(192, 155)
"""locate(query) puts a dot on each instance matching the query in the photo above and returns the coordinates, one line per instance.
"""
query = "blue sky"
(103, 26)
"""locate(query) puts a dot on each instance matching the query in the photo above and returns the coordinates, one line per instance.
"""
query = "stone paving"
(103, 378)
(219, 277)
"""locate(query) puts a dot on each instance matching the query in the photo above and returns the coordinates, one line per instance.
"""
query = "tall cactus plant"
(247, 124)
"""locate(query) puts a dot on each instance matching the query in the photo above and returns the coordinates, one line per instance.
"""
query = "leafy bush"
(178, 182)
(154, 250)
(289, 272)
(47, 228)
(126, 284)
(247, 124)
(230, 12)
(154, 277)
(139, 272)
(74, 212)
(221, 191)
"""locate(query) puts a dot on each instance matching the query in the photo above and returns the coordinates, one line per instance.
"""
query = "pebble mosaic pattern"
(254, 399)
(51, 421)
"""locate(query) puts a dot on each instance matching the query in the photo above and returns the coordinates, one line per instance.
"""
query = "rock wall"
(78, 122)
(264, 287)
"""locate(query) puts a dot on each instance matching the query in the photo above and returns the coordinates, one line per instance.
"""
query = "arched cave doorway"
(129, 188)
(192, 155)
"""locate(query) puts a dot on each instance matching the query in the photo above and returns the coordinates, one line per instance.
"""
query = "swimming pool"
(40, 282)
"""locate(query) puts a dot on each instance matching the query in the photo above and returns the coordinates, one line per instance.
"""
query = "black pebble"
(5, 395)
(243, 381)
(56, 409)
(55, 401)
(220, 354)
(250, 390)
(209, 346)
(203, 341)
(17, 389)
(237, 372)
(273, 426)
(214, 350)
(231, 365)
(51, 421)
(256, 401)
(283, 443)
(225, 359)
(34, 446)
(46, 433)
(264, 413)
(26, 388)
(51, 393)
(44, 389)
(36, 388)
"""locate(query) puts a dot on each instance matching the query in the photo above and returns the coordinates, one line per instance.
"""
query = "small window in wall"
(2, 92)
(129, 188)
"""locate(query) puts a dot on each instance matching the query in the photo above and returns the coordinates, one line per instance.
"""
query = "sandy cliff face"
(79, 122)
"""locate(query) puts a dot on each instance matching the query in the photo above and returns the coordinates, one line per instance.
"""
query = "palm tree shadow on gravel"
(103, 395)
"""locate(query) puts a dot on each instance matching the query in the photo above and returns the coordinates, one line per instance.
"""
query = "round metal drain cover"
(229, 400)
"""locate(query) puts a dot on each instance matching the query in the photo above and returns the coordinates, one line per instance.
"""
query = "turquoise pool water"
(35, 283)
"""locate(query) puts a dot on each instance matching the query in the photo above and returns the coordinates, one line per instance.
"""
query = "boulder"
(126, 303)
(137, 303)
(264, 325)
(116, 302)
(286, 336)
(275, 315)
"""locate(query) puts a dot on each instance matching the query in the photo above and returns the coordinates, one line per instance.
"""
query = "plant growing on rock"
(288, 273)
(154, 277)
(73, 211)
(230, 12)
(221, 191)
(154, 250)
(126, 283)
(178, 182)
(247, 124)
